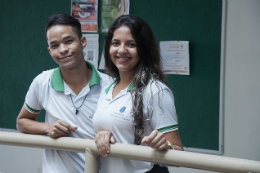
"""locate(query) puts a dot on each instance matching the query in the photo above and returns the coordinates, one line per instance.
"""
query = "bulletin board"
(24, 55)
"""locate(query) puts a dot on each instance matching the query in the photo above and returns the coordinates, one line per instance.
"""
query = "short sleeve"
(32, 98)
(164, 117)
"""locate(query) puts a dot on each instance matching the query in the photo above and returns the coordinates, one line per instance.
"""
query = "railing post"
(91, 162)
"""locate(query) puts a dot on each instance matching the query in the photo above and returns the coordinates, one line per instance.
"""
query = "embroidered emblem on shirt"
(122, 109)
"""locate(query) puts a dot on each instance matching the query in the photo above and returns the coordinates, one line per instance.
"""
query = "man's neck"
(77, 78)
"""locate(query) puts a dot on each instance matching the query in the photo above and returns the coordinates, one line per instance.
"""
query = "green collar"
(129, 88)
(57, 80)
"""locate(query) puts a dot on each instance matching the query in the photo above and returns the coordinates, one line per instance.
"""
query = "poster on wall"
(111, 9)
(86, 11)
(91, 50)
(175, 57)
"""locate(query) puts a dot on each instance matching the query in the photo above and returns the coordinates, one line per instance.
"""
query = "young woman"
(138, 108)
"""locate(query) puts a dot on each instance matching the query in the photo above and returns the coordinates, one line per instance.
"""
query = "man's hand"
(60, 128)
(26, 122)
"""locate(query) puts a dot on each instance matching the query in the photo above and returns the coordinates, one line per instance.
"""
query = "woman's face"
(123, 50)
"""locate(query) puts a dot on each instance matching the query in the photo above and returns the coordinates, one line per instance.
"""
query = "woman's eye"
(131, 44)
(115, 43)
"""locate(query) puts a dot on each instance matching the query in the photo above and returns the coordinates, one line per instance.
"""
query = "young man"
(69, 95)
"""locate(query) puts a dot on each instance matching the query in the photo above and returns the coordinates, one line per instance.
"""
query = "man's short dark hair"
(63, 19)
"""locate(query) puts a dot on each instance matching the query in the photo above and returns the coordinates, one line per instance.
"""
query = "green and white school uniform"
(49, 91)
(115, 115)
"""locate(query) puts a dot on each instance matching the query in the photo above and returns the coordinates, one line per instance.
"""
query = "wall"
(242, 113)
(242, 94)
(242, 82)
(20, 159)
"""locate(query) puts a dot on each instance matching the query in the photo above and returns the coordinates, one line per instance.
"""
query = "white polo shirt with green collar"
(49, 91)
(115, 115)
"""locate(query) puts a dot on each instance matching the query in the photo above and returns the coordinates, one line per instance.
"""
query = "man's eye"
(54, 46)
(69, 41)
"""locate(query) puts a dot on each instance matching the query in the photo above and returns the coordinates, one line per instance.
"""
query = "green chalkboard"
(24, 55)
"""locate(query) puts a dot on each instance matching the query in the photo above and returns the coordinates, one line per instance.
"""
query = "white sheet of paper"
(102, 62)
(91, 50)
(175, 57)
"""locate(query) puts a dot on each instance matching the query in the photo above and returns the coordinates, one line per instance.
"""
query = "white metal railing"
(167, 157)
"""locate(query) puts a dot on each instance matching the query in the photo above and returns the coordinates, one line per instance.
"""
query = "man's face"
(65, 47)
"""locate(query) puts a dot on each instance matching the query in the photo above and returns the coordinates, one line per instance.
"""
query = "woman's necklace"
(77, 108)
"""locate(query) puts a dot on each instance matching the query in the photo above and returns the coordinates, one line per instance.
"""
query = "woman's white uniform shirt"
(116, 115)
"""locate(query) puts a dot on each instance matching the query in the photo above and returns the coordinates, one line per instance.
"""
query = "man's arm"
(26, 122)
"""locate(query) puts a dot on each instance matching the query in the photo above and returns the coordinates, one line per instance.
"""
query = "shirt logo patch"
(122, 109)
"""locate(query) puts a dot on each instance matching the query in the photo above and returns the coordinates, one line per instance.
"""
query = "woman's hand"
(155, 140)
(158, 140)
(103, 139)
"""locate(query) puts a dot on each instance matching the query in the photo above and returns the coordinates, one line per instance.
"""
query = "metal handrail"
(167, 157)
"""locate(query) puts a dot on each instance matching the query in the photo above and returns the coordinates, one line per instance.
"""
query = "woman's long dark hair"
(149, 66)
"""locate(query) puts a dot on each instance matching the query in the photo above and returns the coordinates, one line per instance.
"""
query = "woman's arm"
(164, 115)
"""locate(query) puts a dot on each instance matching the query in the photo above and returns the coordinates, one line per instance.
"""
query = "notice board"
(24, 55)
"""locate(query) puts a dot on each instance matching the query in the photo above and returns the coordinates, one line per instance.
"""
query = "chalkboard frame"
(221, 96)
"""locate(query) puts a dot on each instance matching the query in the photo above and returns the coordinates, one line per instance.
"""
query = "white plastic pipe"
(168, 157)
(91, 162)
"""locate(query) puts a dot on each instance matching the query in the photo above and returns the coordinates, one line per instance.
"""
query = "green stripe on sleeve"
(31, 109)
(168, 129)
